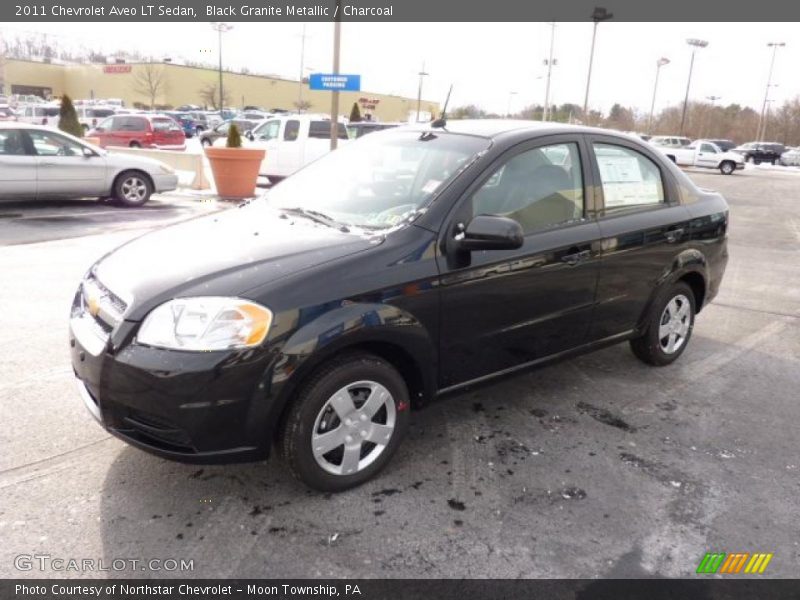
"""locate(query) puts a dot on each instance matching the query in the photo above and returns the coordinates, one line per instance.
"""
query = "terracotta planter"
(235, 170)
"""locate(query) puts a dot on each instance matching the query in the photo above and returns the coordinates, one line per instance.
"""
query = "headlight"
(166, 169)
(205, 323)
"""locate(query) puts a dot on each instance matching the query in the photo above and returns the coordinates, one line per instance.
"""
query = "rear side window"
(629, 178)
(165, 125)
(130, 124)
(707, 148)
(291, 131)
(322, 130)
(99, 113)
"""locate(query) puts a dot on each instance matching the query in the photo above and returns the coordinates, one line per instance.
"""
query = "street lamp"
(510, 96)
(599, 14)
(337, 48)
(695, 44)
(762, 125)
(421, 74)
(549, 62)
(221, 28)
(302, 68)
(659, 63)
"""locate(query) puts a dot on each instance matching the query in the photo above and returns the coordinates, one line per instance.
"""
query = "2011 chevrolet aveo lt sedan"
(414, 262)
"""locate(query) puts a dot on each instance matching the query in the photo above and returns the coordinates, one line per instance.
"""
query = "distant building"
(183, 84)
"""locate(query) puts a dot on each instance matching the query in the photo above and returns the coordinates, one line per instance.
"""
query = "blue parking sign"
(334, 82)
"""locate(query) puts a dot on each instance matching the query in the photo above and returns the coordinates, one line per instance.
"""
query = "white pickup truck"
(702, 153)
(291, 142)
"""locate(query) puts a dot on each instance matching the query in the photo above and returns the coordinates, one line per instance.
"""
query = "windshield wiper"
(317, 217)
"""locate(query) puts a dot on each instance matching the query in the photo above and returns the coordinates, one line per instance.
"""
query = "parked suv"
(414, 262)
(89, 116)
(140, 131)
(758, 152)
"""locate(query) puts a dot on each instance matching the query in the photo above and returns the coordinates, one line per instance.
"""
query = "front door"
(63, 168)
(17, 166)
(504, 308)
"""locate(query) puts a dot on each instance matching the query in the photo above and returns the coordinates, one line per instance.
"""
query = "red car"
(140, 131)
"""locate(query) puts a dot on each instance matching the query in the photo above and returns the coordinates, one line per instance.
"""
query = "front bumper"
(208, 407)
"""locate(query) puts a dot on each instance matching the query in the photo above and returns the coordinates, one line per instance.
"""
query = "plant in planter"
(235, 169)
(68, 118)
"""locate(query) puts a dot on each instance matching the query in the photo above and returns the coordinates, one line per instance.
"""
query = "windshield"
(378, 181)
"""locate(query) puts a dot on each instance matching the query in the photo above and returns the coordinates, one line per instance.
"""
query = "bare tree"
(209, 94)
(150, 81)
(302, 105)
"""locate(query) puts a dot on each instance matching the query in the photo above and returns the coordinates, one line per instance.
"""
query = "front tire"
(132, 188)
(669, 326)
(346, 422)
(727, 167)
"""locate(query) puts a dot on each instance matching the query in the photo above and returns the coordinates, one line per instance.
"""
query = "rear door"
(17, 166)
(63, 170)
(643, 228)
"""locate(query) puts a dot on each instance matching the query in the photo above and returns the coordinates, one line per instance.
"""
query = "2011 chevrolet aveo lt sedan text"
(413, 262)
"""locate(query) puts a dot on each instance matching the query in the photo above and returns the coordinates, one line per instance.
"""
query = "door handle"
(576, 257)
(673, 235)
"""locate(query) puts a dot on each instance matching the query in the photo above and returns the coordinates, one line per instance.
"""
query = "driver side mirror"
(88, 152)
(490, 232)
(249, 135)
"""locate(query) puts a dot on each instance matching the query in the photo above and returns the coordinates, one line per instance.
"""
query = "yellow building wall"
(183, 85)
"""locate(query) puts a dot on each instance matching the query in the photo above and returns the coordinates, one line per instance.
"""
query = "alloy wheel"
(353, 428)
(675, 323)
(134, 189)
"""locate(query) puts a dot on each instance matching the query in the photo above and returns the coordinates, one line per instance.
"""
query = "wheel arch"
(382, 330)
(122, 172)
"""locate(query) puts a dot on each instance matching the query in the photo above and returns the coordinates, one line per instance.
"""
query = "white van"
(291, 142)
(38, 114)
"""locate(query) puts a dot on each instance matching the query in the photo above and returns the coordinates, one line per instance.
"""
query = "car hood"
(223, 254)
(731, 155)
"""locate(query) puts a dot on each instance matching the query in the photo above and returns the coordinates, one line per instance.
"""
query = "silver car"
(791, 158)
(42, 162)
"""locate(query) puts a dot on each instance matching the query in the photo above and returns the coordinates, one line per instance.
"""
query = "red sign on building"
(117, 69)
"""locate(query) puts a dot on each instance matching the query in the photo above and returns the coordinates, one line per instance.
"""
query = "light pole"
(221, 28)
(599, 14)
(695, 44)
(762, 125)
(302, 68)
(422, 74)
(510, 96)
(549, 62)
(659, 63)
(337, 44)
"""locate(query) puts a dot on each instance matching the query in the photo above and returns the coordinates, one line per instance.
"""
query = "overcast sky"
(485, 62)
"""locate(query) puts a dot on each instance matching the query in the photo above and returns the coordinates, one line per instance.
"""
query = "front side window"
(538, 188)
(708, 148)
(11, 142)
(267, 131)
(51, 144)
(629, 178)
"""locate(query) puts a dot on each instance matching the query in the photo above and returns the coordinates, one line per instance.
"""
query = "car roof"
(496, 128)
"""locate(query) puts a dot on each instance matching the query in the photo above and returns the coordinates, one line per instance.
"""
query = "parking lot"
(599, 465)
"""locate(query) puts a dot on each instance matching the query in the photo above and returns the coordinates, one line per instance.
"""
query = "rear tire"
(134, 145)
(668, 325)
(132, 188)
(346, 422)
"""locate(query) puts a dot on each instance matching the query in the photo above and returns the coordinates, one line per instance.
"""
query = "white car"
(90, 116)
(791, 158)
(42, 162)
(291, 142)
(38, 114)
(705, 154)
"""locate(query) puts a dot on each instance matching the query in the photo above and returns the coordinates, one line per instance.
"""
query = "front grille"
(156, 431)
(106, 307)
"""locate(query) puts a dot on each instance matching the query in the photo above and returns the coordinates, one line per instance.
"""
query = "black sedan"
(414, 262)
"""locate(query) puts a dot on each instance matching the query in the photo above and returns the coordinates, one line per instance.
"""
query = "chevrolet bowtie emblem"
(93, 305)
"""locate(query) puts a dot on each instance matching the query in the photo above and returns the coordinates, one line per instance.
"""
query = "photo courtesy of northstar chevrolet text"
(496, 301)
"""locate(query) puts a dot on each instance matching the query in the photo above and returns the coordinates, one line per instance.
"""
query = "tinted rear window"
(99, 112)
(322, 130)
(165, 125)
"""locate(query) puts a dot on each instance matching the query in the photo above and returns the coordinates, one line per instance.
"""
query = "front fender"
(352, 325)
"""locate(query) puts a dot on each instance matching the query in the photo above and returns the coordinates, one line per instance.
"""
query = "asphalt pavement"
(599, 466)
